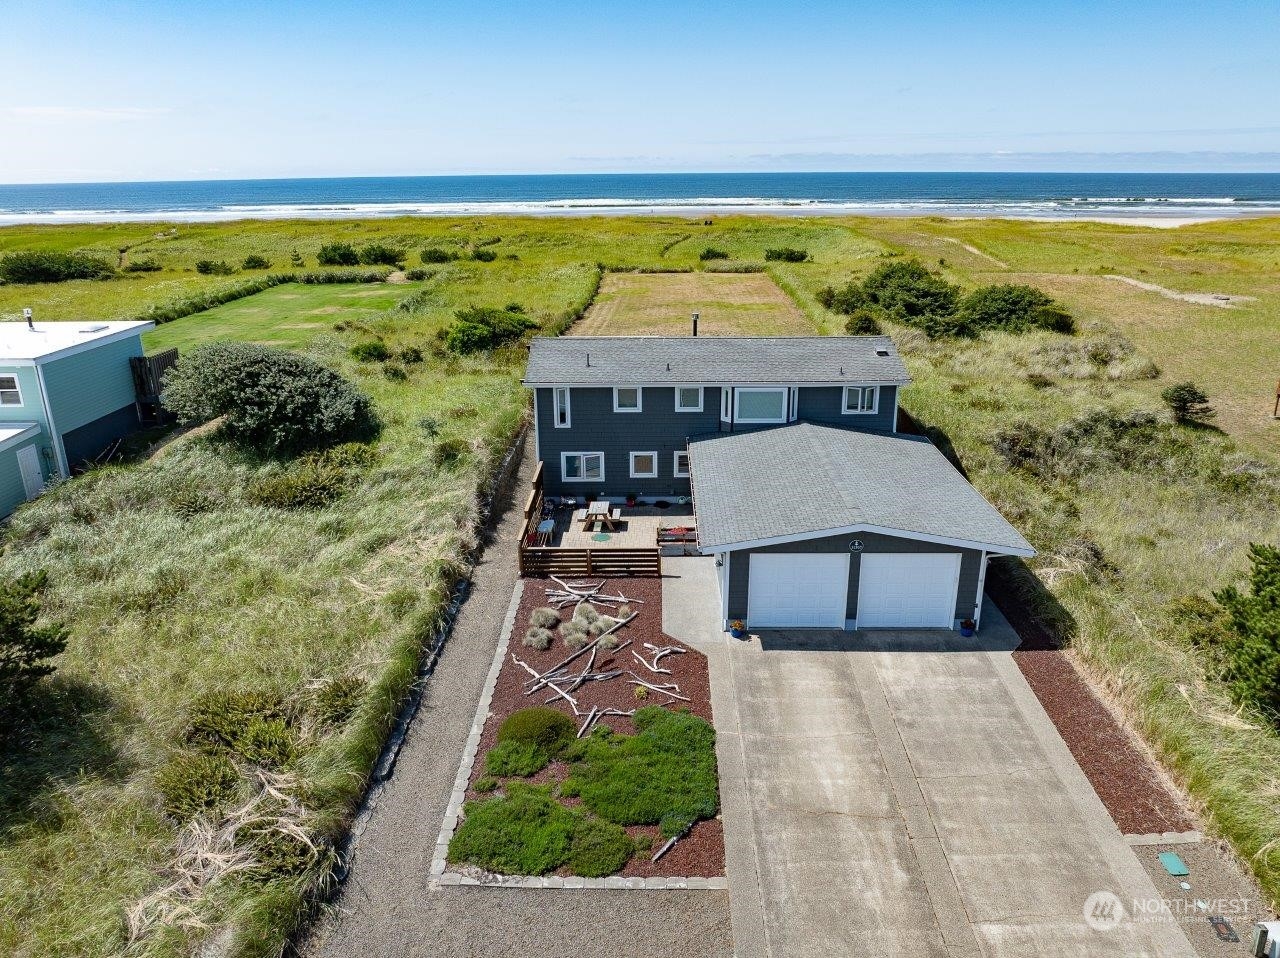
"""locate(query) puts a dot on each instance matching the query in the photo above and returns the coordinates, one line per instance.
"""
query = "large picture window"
(761, 405)
(582, 466)
(861, 400)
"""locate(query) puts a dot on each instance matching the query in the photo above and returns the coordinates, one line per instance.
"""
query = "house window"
(688, 399)
(682, 464)
(10, 394)
(582, 466)
(644, 465)
(761, 405)
(562, 407)
(861, 399)
(725, 402)
(626, 399)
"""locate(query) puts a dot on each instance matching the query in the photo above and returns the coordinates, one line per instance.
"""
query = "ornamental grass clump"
(537, 638)
(544, 618)
(191, 783)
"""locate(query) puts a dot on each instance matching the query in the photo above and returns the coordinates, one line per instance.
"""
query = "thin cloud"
(112, 114)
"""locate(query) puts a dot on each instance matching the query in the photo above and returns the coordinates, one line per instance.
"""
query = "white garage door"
(908, 590)
(798, 590)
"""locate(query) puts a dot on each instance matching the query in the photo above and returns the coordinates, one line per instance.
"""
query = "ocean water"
(1175, 196)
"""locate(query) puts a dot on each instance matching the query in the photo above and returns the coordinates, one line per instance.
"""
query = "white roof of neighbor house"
(805, 481)
(21, 344)
(11, 433)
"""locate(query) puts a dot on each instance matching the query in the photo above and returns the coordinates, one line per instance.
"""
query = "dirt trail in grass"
(977, 252)
(1221, 300)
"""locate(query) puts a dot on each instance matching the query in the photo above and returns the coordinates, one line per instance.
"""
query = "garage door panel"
(908, 590)
(798, 590)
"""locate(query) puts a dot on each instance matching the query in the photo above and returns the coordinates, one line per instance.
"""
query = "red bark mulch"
(699, 854)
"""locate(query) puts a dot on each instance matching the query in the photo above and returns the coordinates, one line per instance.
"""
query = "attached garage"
(819, 527)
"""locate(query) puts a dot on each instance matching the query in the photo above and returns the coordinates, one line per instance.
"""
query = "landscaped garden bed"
(595, 793)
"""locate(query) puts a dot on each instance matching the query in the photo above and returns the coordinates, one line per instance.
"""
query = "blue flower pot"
(738, 633)
(966, 631)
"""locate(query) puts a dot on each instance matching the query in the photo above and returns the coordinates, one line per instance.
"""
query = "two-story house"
(819, 513)
(66, 392)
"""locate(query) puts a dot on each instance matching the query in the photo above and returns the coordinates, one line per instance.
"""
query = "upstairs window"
(688, 399)
(644, 465)
(761, 405)
(682, 464)
(10, 394)
(626, 399)
(562, 407)
(582, 466)
(861, 400)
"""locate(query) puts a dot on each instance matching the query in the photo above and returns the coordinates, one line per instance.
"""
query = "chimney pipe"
(695, 324)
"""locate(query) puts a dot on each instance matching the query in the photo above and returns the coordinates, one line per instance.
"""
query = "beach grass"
(174, 583)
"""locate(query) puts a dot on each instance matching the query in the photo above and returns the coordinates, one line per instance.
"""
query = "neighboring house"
(820, 515)
(66, 393)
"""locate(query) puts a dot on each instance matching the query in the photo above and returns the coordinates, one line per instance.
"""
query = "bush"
(378, 254)
(209, 267)
(574, 636)
(484, 255)
(148, 265)
(198, 304)
(194, 782)
(254, 261)
(675, 824)
(1055, 319)
(435, 254)
(267, 741)
(480, 328)
(485, 783)
(863, 322)
(1188, 403)
(25, 648)
(337, 699)
(417, 275)
(309, 484)
(711, 253)
(410, 355)
(1014, 308)
(338, 254)
(536, 638)
(271, 399)
(516, 758)
(668, 766)
(525, 832)
(786, 254)
(40, 266)
(909, 292)
(371, 351)
(395, 372)
(250, 725)
(344, 276)
(449, 451)
(545, 617)
(1253, 652)
(599, 848)
(541, 726)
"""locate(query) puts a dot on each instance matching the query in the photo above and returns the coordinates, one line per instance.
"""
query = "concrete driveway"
(900, 793)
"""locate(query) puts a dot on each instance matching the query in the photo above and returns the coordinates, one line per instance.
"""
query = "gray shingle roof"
(806, 479)
(711, 360)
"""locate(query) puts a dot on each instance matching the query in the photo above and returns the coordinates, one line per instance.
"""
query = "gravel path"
(388, 909)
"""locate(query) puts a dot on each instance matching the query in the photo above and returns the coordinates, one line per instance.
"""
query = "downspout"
(59, 451)
(982, 581)
(537, 432)
(724, 596)
(896, 390)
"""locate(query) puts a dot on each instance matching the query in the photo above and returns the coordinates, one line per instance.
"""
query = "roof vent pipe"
(695, 324)
(26, 314)
(588, 360)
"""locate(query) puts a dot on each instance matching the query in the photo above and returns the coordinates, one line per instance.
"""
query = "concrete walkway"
(900, 793)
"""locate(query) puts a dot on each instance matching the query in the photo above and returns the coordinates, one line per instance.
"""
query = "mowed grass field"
(728, 304)
(175, 583)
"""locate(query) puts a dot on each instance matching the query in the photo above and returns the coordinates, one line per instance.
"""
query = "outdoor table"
(599, 511)
(545, 528)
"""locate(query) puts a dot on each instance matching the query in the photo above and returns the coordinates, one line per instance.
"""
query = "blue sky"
(142, 89)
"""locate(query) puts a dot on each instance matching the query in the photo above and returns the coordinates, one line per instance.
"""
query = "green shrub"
(379, 254)
(210, 267)
(25, 648)
(194, 782)
(254, 261)
(484, 255)
(410, 355)
(485, 783)
(449, 451)
(337, 699)
(786, 254)
(344, 276)
(514, 757)
(266, 741)
(304, 485)
(271, 399)
(1188, 403)
(863, 322)
(598, 848)
(279, 855)
(1253, 651)
(148, 265)
(198, 304)
(479, 328)
(710, 253)
(541, 726)
(371, 351)
(250, 724)
(674, 824)
(47, 266)
(1054, 318)
(908, 291)
(668, 766)
(338, 254)
(417, 275)
(1014, 308)
(435, 254)
(525, 832)
(395, 372)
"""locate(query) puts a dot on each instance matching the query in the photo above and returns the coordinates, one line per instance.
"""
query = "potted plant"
(968, 627)
(631, 500)
(738, 629)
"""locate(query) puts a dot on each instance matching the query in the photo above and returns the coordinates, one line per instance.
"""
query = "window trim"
(555, 407)
(639, 399)
(653, 456)
(675, 464)
(875, 401)
(17, 388)
(697, 408)
(564, 467)
(726, 404)
(737, 404)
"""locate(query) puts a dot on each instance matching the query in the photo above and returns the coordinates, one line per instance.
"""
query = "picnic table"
(601, 513)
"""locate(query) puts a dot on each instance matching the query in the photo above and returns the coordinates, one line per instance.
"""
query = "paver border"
(440, 875)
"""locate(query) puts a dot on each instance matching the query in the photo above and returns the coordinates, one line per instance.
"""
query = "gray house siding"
(824, 405)
(595, 427)
(966, 594)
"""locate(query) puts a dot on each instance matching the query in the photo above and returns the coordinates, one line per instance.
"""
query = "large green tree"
(25, 648)
(1253, 654)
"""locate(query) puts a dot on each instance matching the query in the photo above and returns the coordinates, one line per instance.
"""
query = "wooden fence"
(550, 560)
